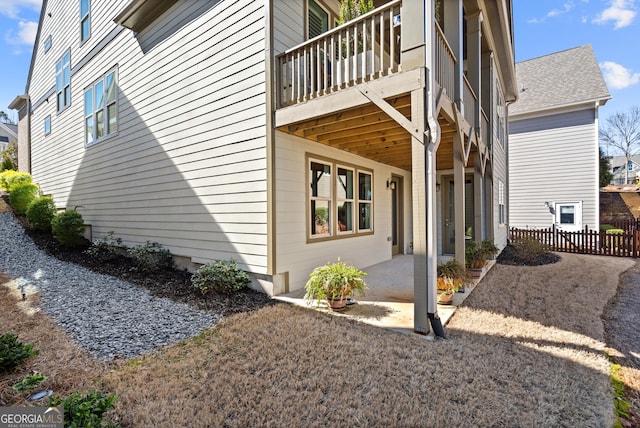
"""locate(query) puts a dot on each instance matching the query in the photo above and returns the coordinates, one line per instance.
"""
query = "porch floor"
(388, 301)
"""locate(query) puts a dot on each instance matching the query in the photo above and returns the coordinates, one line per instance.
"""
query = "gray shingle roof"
(562, 78)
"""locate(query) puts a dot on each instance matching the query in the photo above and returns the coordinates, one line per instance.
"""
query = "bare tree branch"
(622, 131)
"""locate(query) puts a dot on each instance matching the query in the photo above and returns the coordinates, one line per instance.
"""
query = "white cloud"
(11, 8)
(617, 76)
(555, 12)
(622, 12)
(26, 34)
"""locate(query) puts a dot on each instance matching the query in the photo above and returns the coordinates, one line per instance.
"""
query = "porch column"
(458, 196)
(488, 192)
(478, 183)
(453, 33)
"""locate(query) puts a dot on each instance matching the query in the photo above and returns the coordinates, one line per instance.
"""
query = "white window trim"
(47, 119)
(61, 91)
(577, 224)
(334, 232)
(502, 209)
(105, 109)
(84, 17)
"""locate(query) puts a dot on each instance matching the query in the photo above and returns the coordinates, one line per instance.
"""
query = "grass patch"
(619, 395)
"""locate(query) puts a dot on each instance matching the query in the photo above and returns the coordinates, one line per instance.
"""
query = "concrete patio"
(388, 302)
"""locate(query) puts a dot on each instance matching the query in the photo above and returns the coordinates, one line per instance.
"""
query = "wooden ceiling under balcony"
(369, 132)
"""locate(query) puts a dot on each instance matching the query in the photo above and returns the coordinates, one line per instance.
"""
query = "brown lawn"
(526, 349)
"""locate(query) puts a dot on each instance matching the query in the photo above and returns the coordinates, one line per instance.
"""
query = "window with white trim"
(341, 192)
(63, 81)
(501, 207)
(46, 45)
(501, 133)
(100, 108)
(317, 20)
(568, 215)
(85, 20)
(47, 125)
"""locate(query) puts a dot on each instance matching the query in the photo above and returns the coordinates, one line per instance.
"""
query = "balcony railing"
(364, 49)
(469, 101)
(445, 63)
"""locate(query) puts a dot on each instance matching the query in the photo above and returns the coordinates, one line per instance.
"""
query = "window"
(100, 109)
(63, 81)
(47, 44)
(318, 20)
(85, 20)
(47, 125)
(339, 192)
(501, 211)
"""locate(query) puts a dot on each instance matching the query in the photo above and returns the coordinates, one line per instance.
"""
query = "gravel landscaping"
(106, 315)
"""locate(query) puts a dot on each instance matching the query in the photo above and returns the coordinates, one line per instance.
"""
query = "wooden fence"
(627, 225)
(585, 241)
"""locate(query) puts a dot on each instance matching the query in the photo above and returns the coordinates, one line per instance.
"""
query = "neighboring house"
(623, 171)
(254, 130)
(8, 134)
(553, 136)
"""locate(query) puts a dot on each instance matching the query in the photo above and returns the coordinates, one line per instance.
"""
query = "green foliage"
(40, 213)
(29, 382)
(605, 170)
(13, 352)
(334, 281)
(454, 270)
(151, 257)
(220, 276)
(351, 9)
(22, 195)
(10, 179)
(85, 410)
(105, 249)
(605, 227)
(619, 394)
(9, 157)
(68, 228)
(614, 231)
(477, 253)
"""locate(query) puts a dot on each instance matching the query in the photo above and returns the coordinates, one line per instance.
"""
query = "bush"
(10, 179)
(528, 250)
(21, 195)
(105, 249)
(14, 352)
(7, 164)
(84, 410)
(605, 227)
(151, 257)
(220, 276)
(29, 382)
(40, 213)
(68, 228)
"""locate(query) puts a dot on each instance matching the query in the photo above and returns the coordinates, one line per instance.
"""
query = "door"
(397, 232)
(448, 216)
(568, 216)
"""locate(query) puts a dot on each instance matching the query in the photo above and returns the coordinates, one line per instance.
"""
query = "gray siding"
(553, 159)
(187, 167)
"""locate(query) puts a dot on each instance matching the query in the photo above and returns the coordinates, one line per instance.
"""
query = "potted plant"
(333, 283)
(455, 270)
(476, 256)
(446, 296)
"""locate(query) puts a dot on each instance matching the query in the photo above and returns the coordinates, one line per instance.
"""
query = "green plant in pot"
(476, 255)
(455, 270)
(333, 283)
(446, 296)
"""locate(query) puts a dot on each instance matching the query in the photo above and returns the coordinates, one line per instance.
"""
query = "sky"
(611, 27)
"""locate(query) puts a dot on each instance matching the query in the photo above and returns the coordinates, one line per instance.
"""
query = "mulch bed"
(510, 256)
(170, 283)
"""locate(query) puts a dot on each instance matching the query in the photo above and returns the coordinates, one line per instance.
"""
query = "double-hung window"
(63, 81)
(500, 117)
(100, 108)
(501, 203)
(340, 199)
(85, 19)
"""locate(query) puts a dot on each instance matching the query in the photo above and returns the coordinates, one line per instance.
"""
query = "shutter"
(318, 20)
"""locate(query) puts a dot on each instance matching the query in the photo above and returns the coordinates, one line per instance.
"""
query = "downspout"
(432, 140)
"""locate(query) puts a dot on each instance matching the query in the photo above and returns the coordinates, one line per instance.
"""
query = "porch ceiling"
(444, 155)
(365, 131)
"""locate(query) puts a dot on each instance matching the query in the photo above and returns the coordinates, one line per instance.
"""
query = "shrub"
(151, 257)
(605, 227)
(40, 213)
(68, 228)
(84, 410)
(21, 195)
(11, 179)
(29, 382)
(615, 232)
(220, 276)
(13, 352)
(105, 249)
(7, 164)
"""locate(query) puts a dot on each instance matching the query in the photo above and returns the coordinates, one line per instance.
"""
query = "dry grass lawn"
(526, 349)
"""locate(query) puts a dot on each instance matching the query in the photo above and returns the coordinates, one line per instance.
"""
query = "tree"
(622, 131)
(4, 118)
(9, 157)
(351, 9)
(605, 169)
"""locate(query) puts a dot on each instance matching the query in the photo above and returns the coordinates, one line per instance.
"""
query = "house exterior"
(623, 172)
(8, 134)
(259, 131)
(553, 132)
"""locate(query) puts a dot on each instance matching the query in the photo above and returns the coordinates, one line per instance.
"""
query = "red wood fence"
(626, 244)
